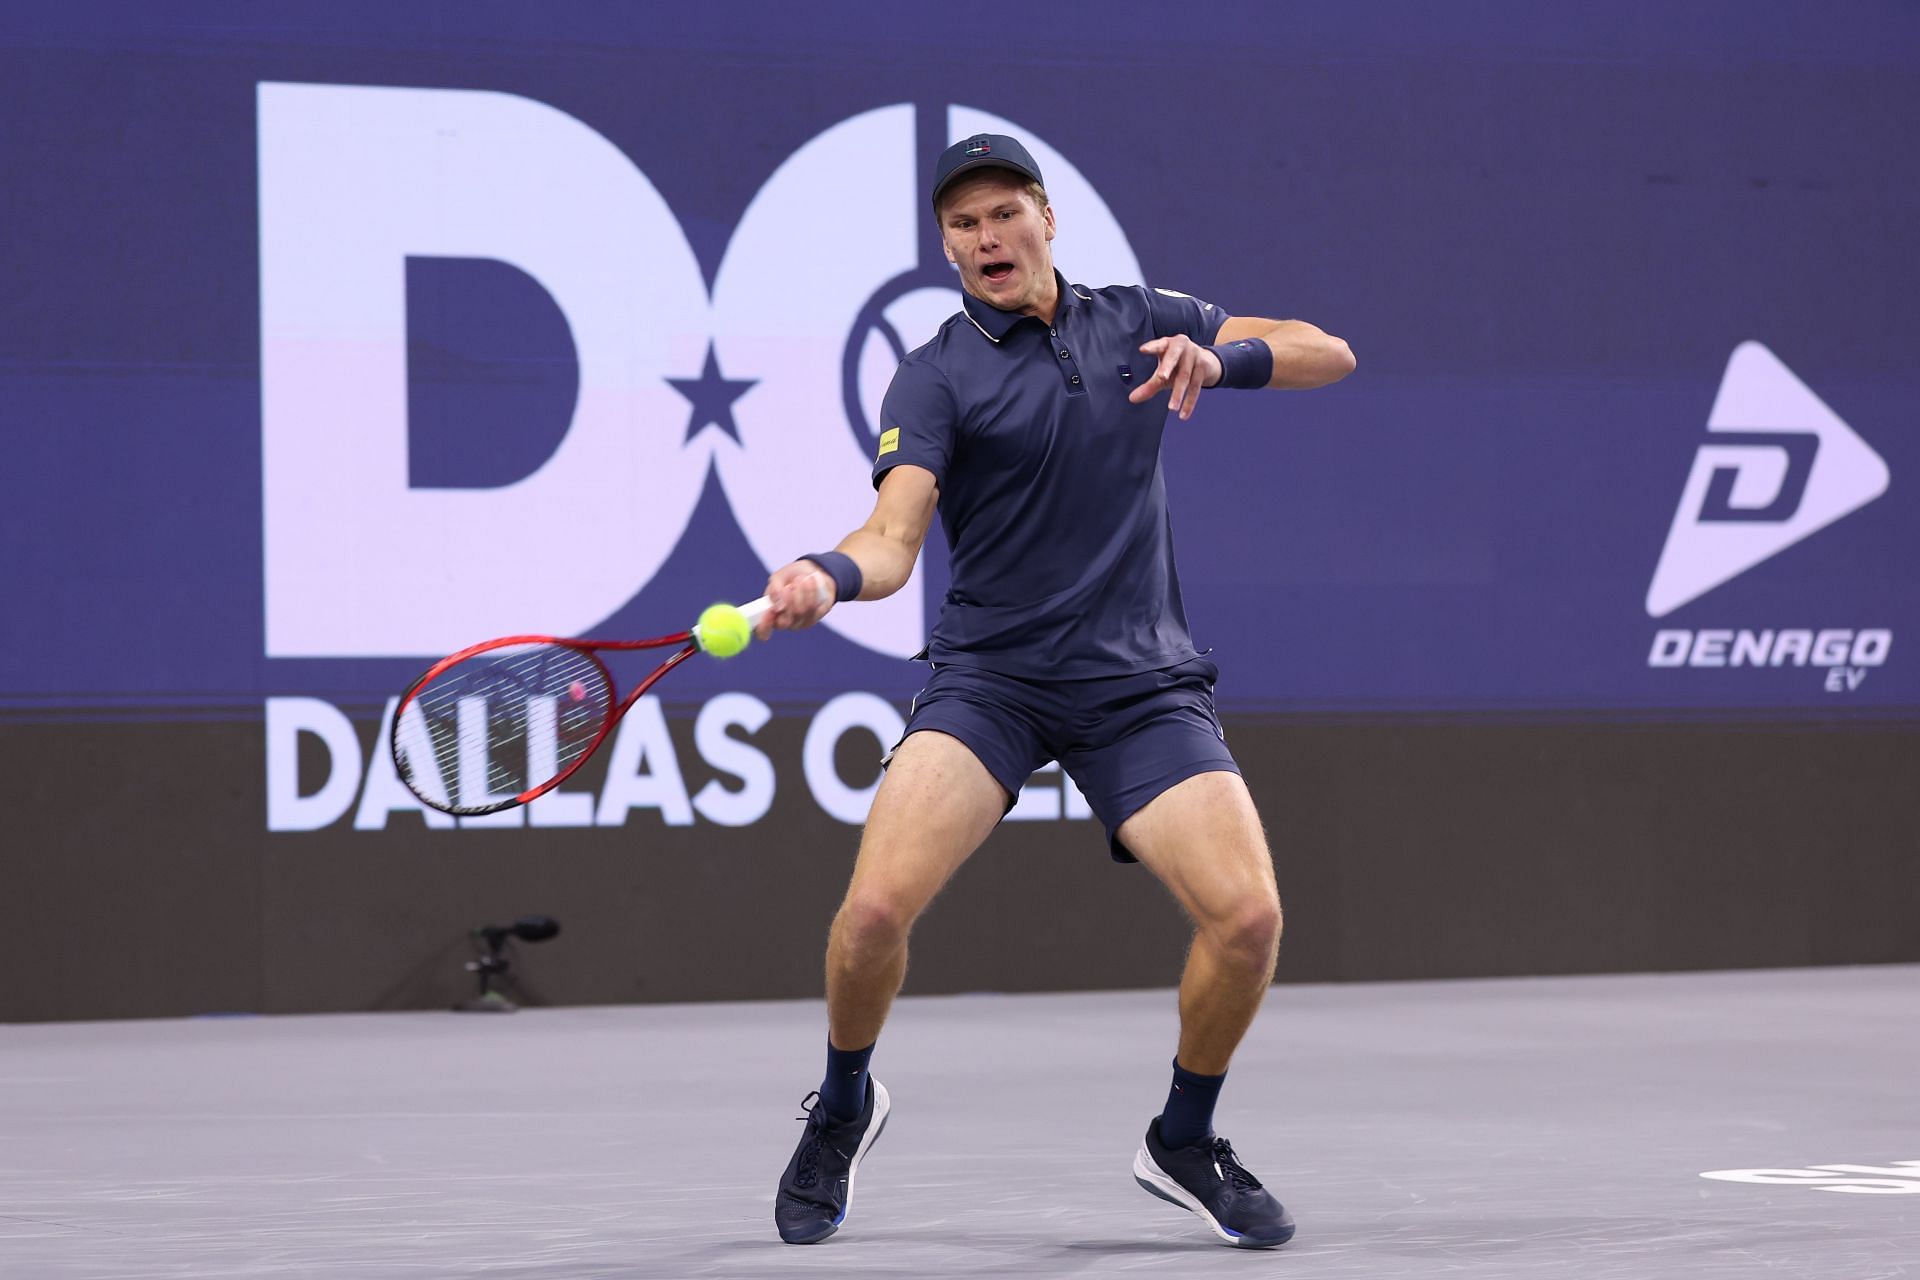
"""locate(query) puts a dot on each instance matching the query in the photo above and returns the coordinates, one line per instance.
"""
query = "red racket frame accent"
(589, 649)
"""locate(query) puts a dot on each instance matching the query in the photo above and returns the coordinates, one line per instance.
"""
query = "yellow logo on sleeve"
(889, 441)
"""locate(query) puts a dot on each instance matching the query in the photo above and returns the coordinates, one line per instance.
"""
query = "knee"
(1251, 928)
(872, 921)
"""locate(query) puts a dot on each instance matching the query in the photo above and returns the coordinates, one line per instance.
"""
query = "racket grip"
(752, 610)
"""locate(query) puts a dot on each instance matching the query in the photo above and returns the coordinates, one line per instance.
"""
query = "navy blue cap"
(982, 151)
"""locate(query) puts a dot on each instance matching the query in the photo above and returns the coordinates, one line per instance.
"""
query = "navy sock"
(844, 1092)
(1189, 1114)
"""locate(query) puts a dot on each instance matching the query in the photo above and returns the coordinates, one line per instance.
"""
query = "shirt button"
(1063, 353)
(1075, 379)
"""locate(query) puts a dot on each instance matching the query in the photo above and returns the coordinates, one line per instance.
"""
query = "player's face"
(1000, 239)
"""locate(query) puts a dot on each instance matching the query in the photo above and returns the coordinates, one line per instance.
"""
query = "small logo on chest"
(1126, 373)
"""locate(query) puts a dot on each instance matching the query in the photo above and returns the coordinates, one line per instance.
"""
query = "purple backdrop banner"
(336, 337)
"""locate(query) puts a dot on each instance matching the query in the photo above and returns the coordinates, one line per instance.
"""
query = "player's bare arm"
(885, 548)
(1304, 357)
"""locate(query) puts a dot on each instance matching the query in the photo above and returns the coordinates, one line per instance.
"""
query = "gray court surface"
(1537, 1127)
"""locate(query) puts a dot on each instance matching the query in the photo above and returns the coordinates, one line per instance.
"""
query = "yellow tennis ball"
(722, 630)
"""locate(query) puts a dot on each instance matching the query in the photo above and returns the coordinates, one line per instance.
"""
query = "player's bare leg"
(1202, 838)
(934, 807)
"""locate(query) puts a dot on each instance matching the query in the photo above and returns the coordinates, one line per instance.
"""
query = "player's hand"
(799, 596)
(1185, 366)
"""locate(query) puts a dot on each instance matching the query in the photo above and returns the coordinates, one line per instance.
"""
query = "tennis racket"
(505, 721)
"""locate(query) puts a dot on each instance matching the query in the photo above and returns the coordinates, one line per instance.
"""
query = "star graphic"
(712, 397)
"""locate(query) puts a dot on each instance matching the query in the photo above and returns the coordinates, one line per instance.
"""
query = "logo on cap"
(980, 148)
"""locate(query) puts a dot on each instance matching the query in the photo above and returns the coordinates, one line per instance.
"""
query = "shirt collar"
(996, 324)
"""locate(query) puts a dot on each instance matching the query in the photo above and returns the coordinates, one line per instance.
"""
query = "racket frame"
(589, 649)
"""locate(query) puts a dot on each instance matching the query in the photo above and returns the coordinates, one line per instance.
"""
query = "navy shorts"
(1122, 739)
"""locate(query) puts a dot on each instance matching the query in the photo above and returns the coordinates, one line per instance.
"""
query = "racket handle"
(752, 610)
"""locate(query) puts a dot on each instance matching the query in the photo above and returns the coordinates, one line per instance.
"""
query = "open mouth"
(997, 271)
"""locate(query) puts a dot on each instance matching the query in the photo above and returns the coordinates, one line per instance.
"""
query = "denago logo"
(1779, 466)
(354, 181)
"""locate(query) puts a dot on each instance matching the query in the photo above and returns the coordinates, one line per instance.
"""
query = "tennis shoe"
(817, 1187)
(1208, 1179)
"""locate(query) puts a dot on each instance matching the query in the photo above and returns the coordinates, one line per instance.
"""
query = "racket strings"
(494, 726)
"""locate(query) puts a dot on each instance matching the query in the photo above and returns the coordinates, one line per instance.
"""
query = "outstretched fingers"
(1181, 366)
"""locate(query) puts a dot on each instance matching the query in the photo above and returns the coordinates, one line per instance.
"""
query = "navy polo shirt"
(1051, 492)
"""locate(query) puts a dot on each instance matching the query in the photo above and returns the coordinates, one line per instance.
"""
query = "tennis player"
(1032, 424)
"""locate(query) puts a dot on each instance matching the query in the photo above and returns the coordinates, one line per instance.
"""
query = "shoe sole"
(882, 1105)
(1154, 1181)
